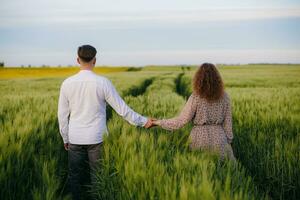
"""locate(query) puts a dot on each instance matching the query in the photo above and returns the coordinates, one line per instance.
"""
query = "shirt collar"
(85, 71)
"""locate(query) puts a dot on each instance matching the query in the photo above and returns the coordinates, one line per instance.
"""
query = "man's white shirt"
(82, 108)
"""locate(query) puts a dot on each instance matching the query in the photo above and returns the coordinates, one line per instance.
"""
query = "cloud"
(68, 17)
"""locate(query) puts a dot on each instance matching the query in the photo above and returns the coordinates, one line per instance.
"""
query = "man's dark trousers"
(77, 155)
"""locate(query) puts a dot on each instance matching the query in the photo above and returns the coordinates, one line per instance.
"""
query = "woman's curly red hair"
(207, 82)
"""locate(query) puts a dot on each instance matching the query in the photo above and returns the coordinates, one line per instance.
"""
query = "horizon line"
(147, 65)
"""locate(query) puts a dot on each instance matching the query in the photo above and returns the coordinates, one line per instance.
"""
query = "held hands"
(151, 123)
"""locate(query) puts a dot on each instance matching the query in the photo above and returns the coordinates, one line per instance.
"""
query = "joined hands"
(151, 123)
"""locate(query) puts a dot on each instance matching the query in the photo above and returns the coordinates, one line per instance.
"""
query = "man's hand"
(66, 145)
(149, 123)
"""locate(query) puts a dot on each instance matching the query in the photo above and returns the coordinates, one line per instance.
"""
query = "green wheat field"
(155, 164)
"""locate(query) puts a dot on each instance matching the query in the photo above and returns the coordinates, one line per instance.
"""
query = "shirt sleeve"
(184, 117)
(227, 123)
(117, 103)
(63, 114)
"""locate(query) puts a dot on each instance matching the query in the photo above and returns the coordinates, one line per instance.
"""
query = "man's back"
(87, 105)
(84, 96)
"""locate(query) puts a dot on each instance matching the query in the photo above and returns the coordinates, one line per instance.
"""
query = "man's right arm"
(117, 103)
(63, 114)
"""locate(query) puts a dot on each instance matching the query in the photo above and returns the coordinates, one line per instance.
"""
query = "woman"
(209, 109)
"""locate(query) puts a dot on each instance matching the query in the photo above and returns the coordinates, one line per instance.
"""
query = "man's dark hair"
(86, 53)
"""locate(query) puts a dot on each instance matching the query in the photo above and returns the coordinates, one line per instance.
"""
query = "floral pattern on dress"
(212, 122)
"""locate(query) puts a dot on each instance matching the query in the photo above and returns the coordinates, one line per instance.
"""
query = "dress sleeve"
(184, 117)
(227, 123)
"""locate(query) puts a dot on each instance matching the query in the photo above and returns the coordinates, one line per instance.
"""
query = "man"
(82, 115)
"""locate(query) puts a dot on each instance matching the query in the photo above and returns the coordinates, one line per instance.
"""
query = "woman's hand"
(156, 122)
(229, 141)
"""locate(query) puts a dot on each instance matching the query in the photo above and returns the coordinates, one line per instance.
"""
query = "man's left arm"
(117, 103)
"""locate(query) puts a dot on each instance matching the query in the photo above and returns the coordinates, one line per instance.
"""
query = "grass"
(156, 164)
(266, 124)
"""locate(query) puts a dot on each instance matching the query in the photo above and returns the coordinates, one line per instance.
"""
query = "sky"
(140, 32)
